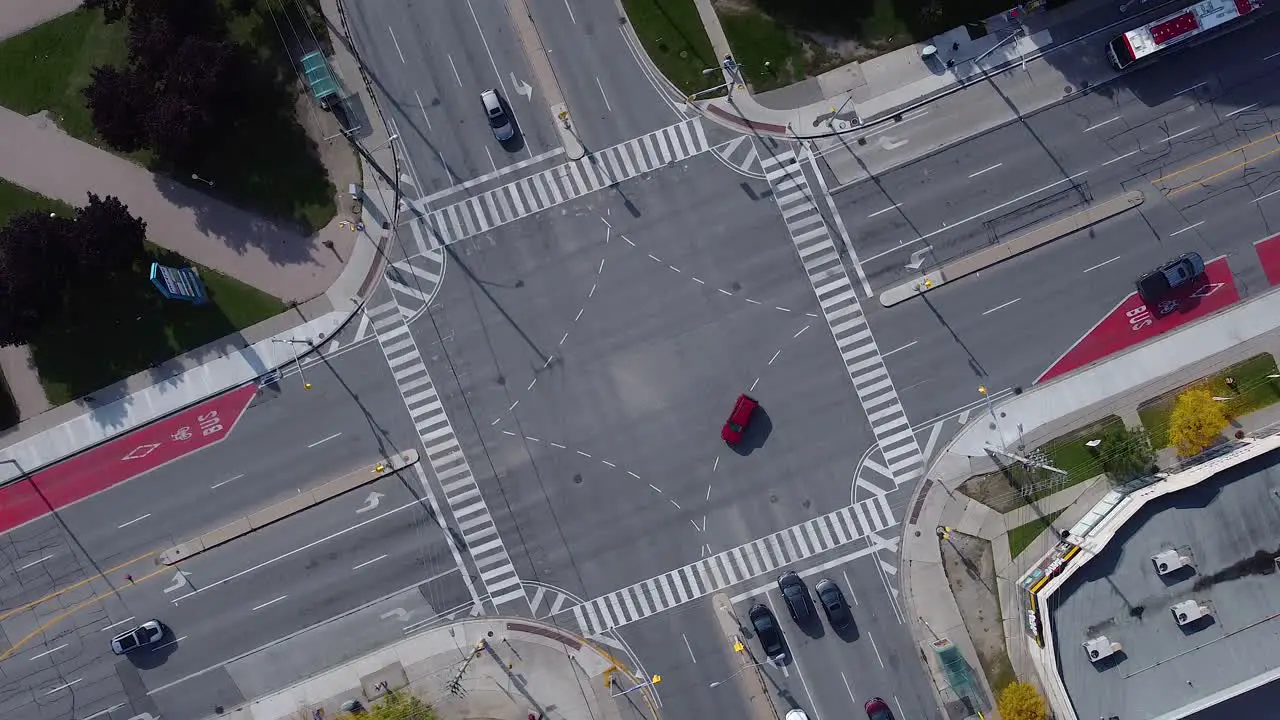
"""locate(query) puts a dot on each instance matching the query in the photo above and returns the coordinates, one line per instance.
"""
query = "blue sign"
(178, 283)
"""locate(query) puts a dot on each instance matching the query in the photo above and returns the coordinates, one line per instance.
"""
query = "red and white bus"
(1203, 17)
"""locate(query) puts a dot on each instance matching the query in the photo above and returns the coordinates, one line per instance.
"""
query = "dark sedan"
(767, 630)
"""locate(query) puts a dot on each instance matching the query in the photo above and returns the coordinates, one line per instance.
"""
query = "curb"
(996, 254)
(304, 500)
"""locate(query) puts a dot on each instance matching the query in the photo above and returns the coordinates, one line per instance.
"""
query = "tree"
(1126, 453)
(401, 705)
(107, 241)
(117, 105)
(34, 272)
(1021, 701)
(1196, 422)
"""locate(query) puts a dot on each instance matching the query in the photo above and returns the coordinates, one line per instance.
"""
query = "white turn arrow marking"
(890, 144)
(179, 582)
(523, 88)
(370, 502)
(399, 614)
(917, 258)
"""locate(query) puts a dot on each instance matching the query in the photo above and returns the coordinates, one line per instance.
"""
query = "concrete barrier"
(284, 508)
(987, 257)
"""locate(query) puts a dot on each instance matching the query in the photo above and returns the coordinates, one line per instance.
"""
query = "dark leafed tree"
(112, 10)
(176, 130)
(35, 272)
(106, 241)
(118, 104)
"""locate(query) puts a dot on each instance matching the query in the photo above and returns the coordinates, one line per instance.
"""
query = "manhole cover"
(577, 479)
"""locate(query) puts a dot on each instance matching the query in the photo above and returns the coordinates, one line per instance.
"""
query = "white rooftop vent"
(1189, 611)
(1167, 561)
(1100, 648)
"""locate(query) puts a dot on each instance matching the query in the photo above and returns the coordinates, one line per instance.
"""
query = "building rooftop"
(1230, 526)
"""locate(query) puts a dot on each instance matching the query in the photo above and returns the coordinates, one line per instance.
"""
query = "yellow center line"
(1199, 183)
(21, 608)
(69, 612)
(1219, 156)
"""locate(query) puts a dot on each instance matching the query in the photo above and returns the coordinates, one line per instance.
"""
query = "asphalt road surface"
(588, 357)
(1194, 132)
(429, 62)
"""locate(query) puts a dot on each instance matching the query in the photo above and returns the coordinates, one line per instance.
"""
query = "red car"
(739, 419)
(878, 709)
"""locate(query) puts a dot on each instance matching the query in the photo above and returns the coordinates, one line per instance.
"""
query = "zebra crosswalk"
(537, 192)
(445, 456)
(717, 572)
(839, 302)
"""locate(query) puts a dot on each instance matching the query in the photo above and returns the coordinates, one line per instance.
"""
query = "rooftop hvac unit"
(1100, 648)
(1189, 611)
(1167, 561)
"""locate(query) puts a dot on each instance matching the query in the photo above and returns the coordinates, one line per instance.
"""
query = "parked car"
(767, 630)
(147, 634)
(1156, 284)
(797, 714)
(833, 603)
(796, 595)
(877, 709)
(739, 419)
(499, 121)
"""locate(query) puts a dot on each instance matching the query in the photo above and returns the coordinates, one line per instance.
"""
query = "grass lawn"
(672, 34)
(139, 329)
(272, 168)
(1254, 390)
(1070, 453)
(1021, 537)
(15, 199)
(756, 39)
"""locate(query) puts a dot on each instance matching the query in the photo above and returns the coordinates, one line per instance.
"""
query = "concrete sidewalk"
(1115, 386)
(501, 669)
(233, 360)
(856, 95)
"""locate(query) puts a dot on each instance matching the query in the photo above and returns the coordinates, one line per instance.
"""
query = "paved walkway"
(517, 669)
(22, 15)
(226, 363)
(1113, 386)
(858, 94)
(35, 154)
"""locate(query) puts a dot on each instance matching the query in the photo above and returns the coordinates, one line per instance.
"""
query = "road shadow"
(756, 434)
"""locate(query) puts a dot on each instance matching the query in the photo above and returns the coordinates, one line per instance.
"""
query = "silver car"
(499, 121)
(147, 634)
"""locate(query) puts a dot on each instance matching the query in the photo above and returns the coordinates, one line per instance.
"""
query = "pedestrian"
(129, 578)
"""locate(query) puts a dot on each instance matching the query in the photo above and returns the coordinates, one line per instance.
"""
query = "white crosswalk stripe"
(444, 455)
(413, 282)
(741, 155)
(839, 303)
(730, 567)
(561, 184)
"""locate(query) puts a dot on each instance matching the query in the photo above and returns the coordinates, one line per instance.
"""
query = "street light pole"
(991, 409)
(297, 363)
(739, 671)
(383, 144)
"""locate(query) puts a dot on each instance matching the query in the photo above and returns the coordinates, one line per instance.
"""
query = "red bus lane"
(1132, 322)
(1268, 250)
(123, 458)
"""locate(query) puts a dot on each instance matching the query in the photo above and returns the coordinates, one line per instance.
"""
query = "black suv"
(796, 595)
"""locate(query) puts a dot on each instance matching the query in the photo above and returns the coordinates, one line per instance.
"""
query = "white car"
(499, 122)
(146, 634)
